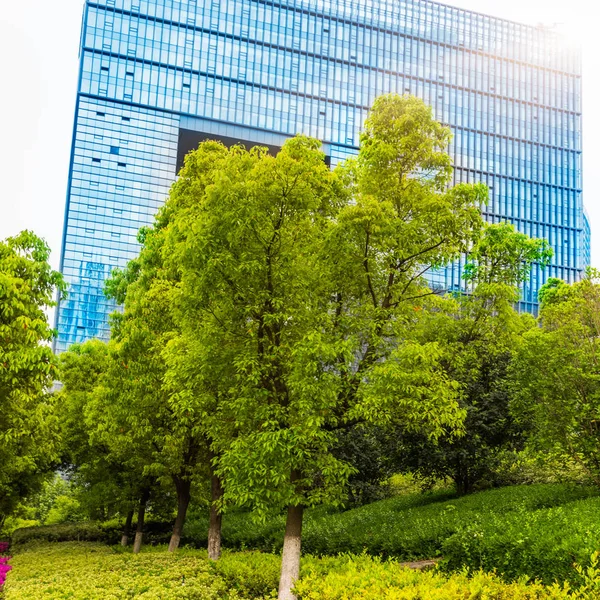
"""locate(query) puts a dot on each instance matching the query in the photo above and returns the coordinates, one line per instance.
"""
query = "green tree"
(479, 332)
(105, 480)
(556, 373)
(151, 425)
(29, 437)
(304, 278)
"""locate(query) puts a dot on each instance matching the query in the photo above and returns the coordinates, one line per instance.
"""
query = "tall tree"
(304, 277)
(153, 423)
(29, 437)
(556, 373)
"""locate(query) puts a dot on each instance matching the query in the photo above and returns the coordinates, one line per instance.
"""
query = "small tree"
(556, 373)
(168, 438)
(479, 333)
(107, 481)
(29, 437)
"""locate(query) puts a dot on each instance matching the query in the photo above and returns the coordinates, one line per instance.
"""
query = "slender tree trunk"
(183, 500)
(214, 525)
(290, 559)
(127, 528)
(139, 531)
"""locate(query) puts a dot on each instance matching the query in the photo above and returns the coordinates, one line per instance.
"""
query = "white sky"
(38, 79)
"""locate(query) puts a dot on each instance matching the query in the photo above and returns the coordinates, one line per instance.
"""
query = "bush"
(66, 532)
(93, 571)
(252, 574)
(155, 533)
(537, 531)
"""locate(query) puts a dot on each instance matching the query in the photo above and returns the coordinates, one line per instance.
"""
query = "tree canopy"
(28, 430)
(557, 376)
(301, 281)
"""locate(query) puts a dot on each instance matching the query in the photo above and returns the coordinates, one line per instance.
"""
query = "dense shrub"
(252, 574)
(66, 532)
(537, 531)
(155, 532)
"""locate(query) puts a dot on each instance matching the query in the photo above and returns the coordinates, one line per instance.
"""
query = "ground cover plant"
(90, 571)
(95, 571)
(537, 531)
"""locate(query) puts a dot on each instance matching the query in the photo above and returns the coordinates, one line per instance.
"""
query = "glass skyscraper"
(158, 76)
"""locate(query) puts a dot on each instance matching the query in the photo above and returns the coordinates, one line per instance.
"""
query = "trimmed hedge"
(155, 532)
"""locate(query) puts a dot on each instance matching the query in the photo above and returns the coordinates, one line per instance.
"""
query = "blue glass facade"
(159, 75)
(587, 241)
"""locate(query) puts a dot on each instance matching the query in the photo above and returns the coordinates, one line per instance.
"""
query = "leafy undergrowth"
(370, 578)
(536, 531)
(95, 571)
(92, 571)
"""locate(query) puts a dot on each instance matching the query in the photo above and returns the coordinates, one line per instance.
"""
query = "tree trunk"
(214, 525)
(463, 483)
(127, 528)
(139, 530)
(183, 499)
(290, 559)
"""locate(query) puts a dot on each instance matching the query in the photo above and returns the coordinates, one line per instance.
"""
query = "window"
(114, 150)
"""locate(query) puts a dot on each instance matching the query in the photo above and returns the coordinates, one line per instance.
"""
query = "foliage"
(536, 531)
(530, 466)
(39, 506)
(556, 375)
(66, 532)
(102, 477)
(478, 333)
(28, 428)
(109, 532)
(92, 571)
(293, 278)
(165, 443)
(370, 450)
(541, 544)
(406, 527)
(252, 574)
(368, 578)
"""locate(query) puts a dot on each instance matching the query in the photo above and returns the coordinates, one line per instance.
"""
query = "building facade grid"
(259, 71)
